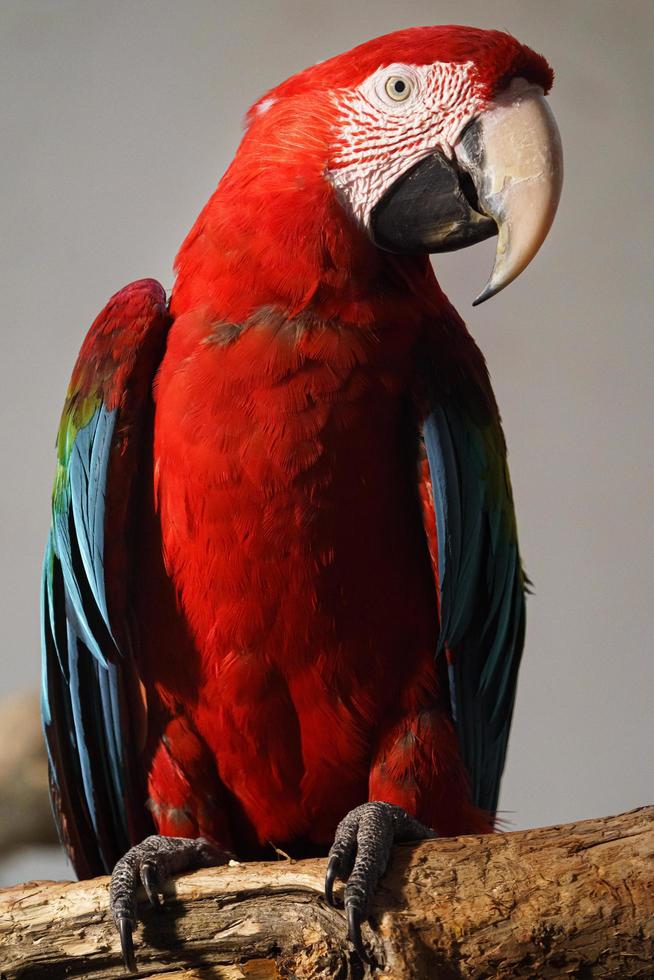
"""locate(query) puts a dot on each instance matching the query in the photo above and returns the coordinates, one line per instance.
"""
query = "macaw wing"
(480, 577)
(90, 684)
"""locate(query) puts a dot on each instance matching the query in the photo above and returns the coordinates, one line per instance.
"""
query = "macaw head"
(425, 140)
(432, 138)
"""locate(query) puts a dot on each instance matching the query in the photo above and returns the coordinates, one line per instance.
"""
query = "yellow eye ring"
(398, 88)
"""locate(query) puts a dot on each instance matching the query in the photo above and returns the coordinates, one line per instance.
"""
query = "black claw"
(354, 932)
(330, 878)
(150, 880)
(125, 928)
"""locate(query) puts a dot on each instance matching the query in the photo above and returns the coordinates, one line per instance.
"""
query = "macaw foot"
(149, 864)
(359, 856)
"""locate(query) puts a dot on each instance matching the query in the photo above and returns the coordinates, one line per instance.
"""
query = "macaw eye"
(399, 88)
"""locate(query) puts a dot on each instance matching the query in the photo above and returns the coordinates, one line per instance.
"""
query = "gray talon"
(330, 877)
(360, 854)
(149, 864)
(354, 932)
(150, 880)
(125, 928)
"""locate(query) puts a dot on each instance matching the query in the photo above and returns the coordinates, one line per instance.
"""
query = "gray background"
(117, 121)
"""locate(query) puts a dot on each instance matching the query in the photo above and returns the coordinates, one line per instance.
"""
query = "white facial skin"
(394, 119)
(403, 113)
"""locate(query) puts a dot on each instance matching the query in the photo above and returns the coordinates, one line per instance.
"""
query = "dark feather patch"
(482, 585)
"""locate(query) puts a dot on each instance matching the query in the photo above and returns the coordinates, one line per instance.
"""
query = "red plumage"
(292, 532)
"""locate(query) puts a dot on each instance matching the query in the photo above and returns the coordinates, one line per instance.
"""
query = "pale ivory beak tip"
(514, 157)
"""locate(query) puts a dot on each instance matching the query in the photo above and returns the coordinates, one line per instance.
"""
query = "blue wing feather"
(76, 549)
(88, 477)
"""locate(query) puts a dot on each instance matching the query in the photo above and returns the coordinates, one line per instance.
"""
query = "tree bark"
(569, 901)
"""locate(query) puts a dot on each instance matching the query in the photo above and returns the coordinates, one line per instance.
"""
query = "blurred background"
(117, 121)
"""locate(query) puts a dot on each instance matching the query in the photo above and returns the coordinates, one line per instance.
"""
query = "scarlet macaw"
(282, 595)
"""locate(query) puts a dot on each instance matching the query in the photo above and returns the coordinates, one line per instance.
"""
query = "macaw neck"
(263, 242)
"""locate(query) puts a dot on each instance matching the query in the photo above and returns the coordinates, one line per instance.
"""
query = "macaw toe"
(149, 864)
(359, 856)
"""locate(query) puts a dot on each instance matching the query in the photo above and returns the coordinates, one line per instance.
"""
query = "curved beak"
(513, 154)
(505, 179)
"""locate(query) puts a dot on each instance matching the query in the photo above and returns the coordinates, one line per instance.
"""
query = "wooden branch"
(569, 901)
(25, 814)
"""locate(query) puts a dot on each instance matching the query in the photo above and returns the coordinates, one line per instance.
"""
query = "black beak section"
(431, 208)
